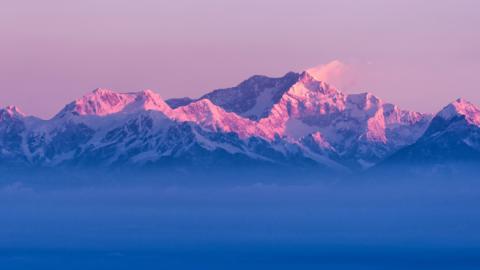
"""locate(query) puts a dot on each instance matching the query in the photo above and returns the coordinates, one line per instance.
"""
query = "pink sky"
(418, 54)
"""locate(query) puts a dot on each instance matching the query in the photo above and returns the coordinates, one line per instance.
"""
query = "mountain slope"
(108, 129)
(452, 136)
(103, 102)
(361, 128)
(295, 120)
(12, 126)
(252, 98)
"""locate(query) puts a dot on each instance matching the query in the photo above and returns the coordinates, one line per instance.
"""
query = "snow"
(209, 115)
(311, 105)
(461, 107)
(148, 100)
(103, 102)
(11, 112)
(376, 128)
(262, 102)
(351, 126)
(320, 140)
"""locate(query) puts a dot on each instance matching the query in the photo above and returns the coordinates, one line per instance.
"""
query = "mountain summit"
(11, 112)
(461, 108)
(103, 102)
(453, 136)
(293, 120)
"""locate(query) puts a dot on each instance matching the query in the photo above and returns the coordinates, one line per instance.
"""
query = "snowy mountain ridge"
(294, 120)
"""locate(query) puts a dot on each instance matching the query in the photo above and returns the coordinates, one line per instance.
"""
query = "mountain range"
(292, 121)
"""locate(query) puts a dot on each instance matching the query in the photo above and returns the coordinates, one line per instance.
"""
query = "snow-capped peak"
(310, 83)
(102, 91)
(208, 115)
(11, 112)
(99, 102)
(297, 116)
(202, 110)
(252, 98)
(103, 102)
(461, 107)
(150, 101)
(14, 110)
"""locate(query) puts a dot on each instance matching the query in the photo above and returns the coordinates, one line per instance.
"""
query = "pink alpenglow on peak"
(150, 101)
(103, 102)
(310, 83)
(211, 116)
(314, 105)
(271, 119)
(11, 112)
(393, 114)
(461, 107)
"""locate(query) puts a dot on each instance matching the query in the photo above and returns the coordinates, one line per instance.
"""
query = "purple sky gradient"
(418, 54)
